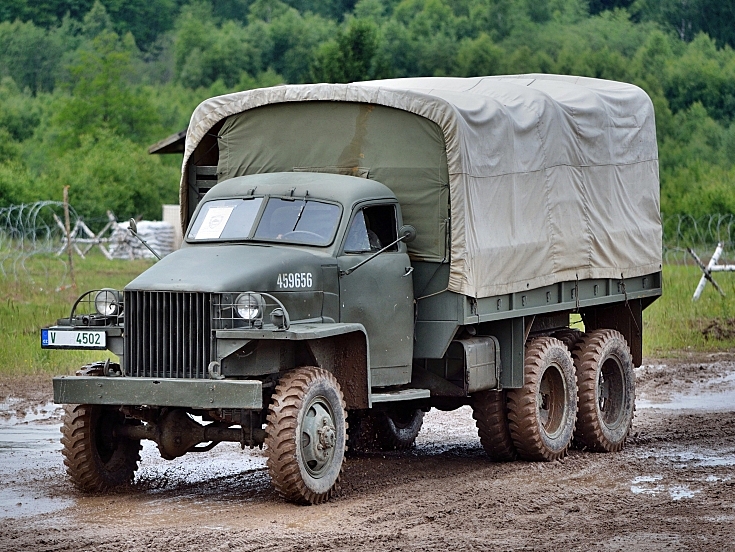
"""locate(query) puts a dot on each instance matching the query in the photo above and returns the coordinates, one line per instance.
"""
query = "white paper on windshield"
(214, 222)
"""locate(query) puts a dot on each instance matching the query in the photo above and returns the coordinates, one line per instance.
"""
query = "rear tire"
(95, 458)
(398, 429)
(372, 430)
(306, 435)
(542, 413)
(606, 398)
(490, 412)
(571, 337)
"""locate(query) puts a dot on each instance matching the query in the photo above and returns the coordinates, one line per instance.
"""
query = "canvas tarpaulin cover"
(551, 178)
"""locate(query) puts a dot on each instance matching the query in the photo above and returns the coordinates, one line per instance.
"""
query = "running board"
(401, 395)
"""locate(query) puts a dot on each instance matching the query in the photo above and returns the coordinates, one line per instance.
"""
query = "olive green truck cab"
(357, 254)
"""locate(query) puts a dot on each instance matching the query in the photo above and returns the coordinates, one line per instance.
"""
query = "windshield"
(299, 221)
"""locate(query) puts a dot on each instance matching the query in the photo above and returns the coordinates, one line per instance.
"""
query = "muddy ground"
(672, 488)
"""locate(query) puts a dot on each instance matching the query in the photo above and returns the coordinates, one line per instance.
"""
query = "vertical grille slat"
(167, 334)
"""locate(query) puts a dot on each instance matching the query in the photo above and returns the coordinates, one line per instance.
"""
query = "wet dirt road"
(672, 488)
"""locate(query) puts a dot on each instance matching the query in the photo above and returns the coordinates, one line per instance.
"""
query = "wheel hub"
(550, 401)
(318, 437)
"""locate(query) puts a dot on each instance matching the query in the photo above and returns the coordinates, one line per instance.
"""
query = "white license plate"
(73, 339)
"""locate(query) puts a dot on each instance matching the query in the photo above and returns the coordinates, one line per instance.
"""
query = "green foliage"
(101, 97)
(81, 75)
(689, 18)
(351, 56)
(29, 55)
(110, 172)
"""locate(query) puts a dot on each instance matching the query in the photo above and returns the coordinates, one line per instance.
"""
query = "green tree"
(30, 55)
(101, 96)
(480, 56)
(703, 74)
(691, 17)
(110, 172)
(352, 56)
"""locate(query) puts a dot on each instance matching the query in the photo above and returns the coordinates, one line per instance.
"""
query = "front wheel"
(542, 413)
(306, 435)
(96, 458)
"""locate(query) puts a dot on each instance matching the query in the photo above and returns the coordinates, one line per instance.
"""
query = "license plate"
(73, 339)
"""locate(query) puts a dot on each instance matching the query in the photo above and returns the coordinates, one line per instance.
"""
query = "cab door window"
(371, 229)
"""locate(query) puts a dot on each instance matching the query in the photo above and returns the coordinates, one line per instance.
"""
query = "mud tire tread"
(281, 439)
(525, 427)
(391, 437)
(490, 411)
(588, 355)
(84, 466)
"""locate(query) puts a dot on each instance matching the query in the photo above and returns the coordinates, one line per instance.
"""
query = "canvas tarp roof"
(551, 178)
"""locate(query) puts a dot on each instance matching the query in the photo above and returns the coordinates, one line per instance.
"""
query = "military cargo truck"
(358, 254)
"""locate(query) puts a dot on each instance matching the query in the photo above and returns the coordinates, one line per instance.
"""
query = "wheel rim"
(551, 401)
(318, 437)
(611, 392)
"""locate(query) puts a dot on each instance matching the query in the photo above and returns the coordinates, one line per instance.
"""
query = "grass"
(39, 293)
(675, 323)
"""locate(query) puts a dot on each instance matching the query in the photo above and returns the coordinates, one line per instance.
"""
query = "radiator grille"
(167, 334)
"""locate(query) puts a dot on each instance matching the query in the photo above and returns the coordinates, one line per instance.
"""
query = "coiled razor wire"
(29, 230)
(701, 234)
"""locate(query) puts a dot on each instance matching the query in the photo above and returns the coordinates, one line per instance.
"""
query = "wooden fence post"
(67, 227)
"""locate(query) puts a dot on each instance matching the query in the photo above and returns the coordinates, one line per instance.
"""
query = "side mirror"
(133, 227)
(407, 232)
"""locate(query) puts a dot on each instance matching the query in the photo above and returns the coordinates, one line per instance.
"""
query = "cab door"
(379, 294)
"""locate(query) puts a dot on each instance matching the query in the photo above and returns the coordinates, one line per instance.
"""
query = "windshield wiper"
(298, 218)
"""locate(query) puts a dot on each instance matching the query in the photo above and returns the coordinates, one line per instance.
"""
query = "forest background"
(87, 85)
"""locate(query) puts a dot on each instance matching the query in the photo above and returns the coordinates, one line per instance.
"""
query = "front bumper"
(174, 392)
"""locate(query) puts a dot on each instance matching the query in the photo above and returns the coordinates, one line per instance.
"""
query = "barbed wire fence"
(701, 234)
(33, 230)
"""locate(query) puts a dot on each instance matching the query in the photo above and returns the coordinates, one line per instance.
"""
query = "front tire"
(606, 399)
(95, 458)
(306, 435)
(542, 413)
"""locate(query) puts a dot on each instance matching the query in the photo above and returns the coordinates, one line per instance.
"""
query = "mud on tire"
(306, 435)
(397, 429)
(570, 337)
(606, 396)
(490, 412)
(542, 413)
(96, 460)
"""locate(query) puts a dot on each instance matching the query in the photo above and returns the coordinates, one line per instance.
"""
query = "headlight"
(250, 306)
(107, 302)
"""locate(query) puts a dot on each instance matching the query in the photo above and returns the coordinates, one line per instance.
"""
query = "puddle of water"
(681, 492)
(15, 502)
(724, 400)
(29, 437)
(649, 484)
(698, 457)
(720, 395)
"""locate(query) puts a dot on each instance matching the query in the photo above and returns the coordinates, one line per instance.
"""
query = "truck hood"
(236, 267)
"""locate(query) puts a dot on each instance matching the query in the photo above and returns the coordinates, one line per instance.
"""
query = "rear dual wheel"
(542, 413)
(606, 382)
